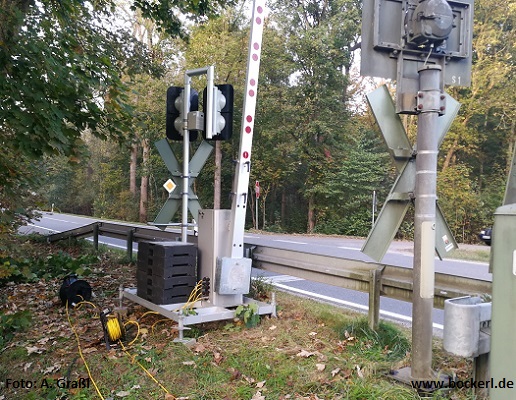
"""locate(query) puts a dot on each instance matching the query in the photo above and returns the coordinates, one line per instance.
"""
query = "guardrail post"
(96, 236)
(130, 237)
(375, 283)
(481, 371)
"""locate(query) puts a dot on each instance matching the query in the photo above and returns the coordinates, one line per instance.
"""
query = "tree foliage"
(64, 69)
(482, 139)
(317, 156)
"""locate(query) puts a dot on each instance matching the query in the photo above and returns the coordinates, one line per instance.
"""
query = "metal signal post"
(423, 45)
(429, 104)
(209, 71)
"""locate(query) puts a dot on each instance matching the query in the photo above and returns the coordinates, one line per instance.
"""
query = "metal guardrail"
(130, 233)
(374, 278)
(370, 277)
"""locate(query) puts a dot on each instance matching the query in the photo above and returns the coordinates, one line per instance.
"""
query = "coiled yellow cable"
(115, 334)
(113, 328)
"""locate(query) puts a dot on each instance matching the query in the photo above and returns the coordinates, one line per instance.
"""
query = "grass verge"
(311, 351)
(471, 255)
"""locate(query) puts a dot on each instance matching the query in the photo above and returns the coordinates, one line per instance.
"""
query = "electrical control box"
(503, 322)
(231, 277)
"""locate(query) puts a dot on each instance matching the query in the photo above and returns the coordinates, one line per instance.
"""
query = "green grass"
(388, 343)
(471, 255)
(311, 351)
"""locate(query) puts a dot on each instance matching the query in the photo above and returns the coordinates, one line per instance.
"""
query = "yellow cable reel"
(113, 328)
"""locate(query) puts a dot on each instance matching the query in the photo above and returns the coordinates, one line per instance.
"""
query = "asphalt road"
(399, 253)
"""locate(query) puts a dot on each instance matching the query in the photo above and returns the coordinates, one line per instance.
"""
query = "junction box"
(503, 263)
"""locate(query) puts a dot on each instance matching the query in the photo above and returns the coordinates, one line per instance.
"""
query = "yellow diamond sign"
(169, 185)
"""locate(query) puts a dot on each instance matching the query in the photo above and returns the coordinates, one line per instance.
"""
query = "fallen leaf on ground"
(258, 396)
(44, 340)
(89, 350)
(304, 353)
(34, 349)
(199, 348)
(217, 357)
(188, 362)
(320, 367)
(51, 369)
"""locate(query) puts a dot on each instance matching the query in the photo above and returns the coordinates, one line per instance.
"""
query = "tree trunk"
(217, 179)
(144, 186)
(311, 214)
(252, 198)
(132, 169)
(510, 150)
(450, 154)
(283, 206)
(263, 195)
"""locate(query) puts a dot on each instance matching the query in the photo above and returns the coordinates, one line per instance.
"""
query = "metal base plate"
(404, 375)
(206, 312)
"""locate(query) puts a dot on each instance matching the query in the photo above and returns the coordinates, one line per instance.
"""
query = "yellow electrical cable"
(137, 334)
(133, 358)
(148, 313)
(80, 353)
(194, 296)
(195, 290)
(158, 321)
(114, 331)
(78, 305)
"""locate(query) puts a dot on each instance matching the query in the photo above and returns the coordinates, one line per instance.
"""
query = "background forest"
(83, 101)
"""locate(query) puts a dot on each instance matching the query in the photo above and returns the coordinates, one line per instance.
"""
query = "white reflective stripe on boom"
(243, 168)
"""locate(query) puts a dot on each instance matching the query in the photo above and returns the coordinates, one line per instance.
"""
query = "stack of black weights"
(166, 271)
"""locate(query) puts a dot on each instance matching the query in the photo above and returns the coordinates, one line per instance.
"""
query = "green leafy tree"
(462, 205)
(276, 161)
(67, 186)
(482, 139)
(64, 67)
(320, 38)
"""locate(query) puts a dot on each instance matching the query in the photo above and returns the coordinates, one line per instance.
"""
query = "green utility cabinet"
(503, 333)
